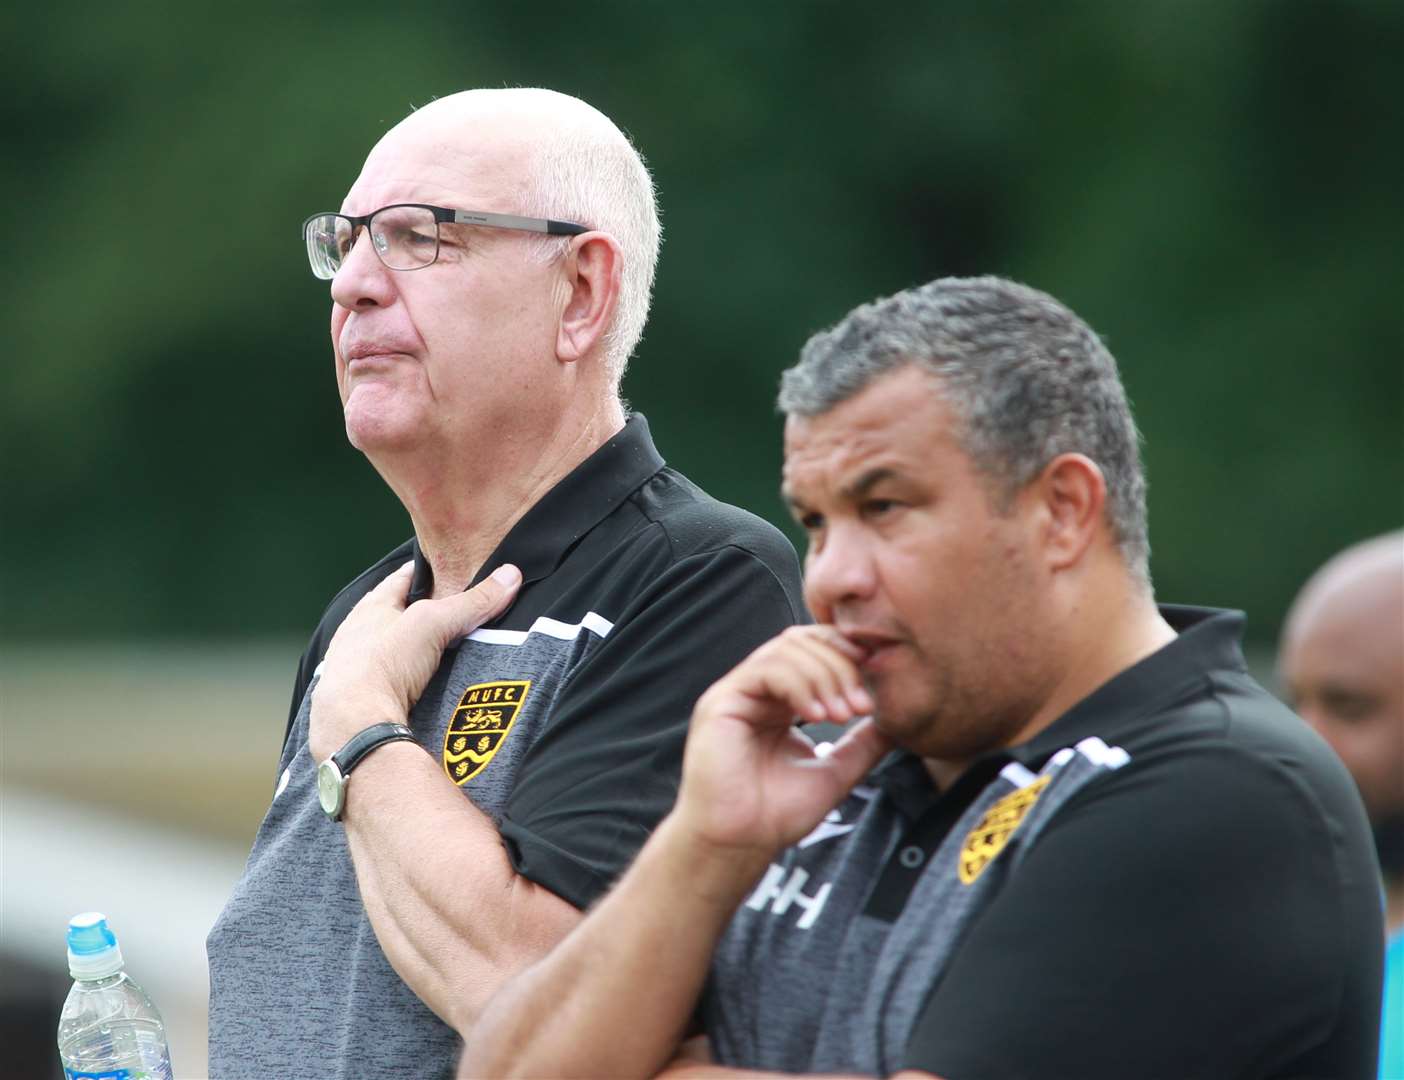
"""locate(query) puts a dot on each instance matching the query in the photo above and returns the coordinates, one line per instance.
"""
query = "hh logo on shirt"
(484, 716)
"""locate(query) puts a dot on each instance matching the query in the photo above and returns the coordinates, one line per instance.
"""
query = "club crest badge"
(480, 723)
(992, 831)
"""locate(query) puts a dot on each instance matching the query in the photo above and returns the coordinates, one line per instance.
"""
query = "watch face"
(331, 788)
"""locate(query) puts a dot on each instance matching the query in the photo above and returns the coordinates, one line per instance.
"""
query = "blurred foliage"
(1214, 186)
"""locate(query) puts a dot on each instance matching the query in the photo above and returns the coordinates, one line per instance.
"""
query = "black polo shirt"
(1172, 880)
(564, 721)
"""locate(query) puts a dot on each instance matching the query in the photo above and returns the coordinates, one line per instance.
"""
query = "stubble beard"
(954, 719)
(975, 691)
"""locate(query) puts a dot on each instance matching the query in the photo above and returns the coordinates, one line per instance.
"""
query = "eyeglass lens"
(404, 238)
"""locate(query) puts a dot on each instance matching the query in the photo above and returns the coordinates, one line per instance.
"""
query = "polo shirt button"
(911, 856)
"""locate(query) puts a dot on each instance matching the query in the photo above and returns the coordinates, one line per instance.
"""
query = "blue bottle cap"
(92, 948)
(88, 933)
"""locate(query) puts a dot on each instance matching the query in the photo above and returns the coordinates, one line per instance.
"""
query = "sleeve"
(605, 770)
(1170, 922)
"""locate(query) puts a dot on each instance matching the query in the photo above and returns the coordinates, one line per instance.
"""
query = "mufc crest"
(484, 716)
(992, 831)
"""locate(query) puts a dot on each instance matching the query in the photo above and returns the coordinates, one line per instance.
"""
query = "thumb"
(483, 602)
(857, 753)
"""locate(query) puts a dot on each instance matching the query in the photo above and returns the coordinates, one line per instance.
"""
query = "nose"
(363, 280)
(839, 572)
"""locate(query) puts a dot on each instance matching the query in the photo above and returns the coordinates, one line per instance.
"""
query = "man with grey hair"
(442, 813)
(1065, 834)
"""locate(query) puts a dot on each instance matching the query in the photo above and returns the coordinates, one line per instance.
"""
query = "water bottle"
(109, 1030)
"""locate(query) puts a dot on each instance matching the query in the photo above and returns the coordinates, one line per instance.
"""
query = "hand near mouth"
(752, 784)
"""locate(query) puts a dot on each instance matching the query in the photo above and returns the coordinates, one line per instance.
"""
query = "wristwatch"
(333, 773)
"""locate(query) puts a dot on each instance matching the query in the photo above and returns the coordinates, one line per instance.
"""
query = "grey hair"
(1027, 379)
(595, 176)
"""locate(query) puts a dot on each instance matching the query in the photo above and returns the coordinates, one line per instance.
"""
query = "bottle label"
(113, 1074)
(117, 1074)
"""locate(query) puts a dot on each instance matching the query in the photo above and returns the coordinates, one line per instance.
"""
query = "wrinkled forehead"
(447, 160)
(823, 459)
(898, 424)
(834, 435)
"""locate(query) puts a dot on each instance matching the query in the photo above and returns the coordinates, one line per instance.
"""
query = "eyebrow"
(850, 492)
(865, 483)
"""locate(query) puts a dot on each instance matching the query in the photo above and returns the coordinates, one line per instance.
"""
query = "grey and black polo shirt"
(564, 721)
(1172, 880)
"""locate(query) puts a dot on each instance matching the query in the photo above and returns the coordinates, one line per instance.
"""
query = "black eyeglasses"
(405, 236)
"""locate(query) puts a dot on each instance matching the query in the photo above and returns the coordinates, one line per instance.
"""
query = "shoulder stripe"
(1099, 753)
(1017, 774)
(1095, 751)
(592, 621)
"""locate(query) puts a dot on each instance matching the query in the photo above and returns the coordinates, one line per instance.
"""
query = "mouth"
(368, 351)
(881, 659)
(371, 352)
(363, 362)
(881, 649)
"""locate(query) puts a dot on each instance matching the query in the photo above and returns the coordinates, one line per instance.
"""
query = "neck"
(1118, 629)
(1117, 634)
(464, 497)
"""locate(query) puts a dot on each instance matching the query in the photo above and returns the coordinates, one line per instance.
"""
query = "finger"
(856, 693)
(393, 589)
(857, 752)
(827, 686)
(454, 616)
(492, 596)
(810, 678)
(844, 694)
(784, 678)
(832, 635)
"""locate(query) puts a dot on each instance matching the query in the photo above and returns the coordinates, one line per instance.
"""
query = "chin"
(373, 433)
(905, 723)
(922, 727)
(380, 415)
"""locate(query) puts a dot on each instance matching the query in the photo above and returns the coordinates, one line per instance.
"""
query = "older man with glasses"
(438, 822)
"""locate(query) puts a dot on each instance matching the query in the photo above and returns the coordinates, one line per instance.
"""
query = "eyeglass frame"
(443, 215)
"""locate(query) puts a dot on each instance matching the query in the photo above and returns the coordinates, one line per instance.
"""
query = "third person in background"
(1342, 663)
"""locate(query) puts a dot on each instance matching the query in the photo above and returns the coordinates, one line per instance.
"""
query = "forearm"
(614, 999)
(452, 916)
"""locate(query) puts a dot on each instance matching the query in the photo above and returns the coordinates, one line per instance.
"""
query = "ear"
(592, 270)
(1071, 494)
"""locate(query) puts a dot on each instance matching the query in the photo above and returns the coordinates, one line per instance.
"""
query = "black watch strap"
(363, 742)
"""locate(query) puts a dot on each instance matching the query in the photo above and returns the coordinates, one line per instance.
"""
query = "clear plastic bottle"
(109, 1030)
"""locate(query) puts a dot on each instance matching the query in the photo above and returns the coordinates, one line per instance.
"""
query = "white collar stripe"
(1017, 775)
(595, 623)
(1099, 753)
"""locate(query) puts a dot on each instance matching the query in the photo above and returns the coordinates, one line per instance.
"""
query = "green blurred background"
(1215, 185)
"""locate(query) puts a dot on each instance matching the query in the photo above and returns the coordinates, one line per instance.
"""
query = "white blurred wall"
(132, 780)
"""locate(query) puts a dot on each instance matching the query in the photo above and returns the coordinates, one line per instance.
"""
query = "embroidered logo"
(480, 723)
(992, 831)
(780, 893)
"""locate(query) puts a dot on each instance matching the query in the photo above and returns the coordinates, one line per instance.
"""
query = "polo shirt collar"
(1207, 640)
(588, 494)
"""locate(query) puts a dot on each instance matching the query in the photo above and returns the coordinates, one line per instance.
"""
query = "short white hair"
(593, 175)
